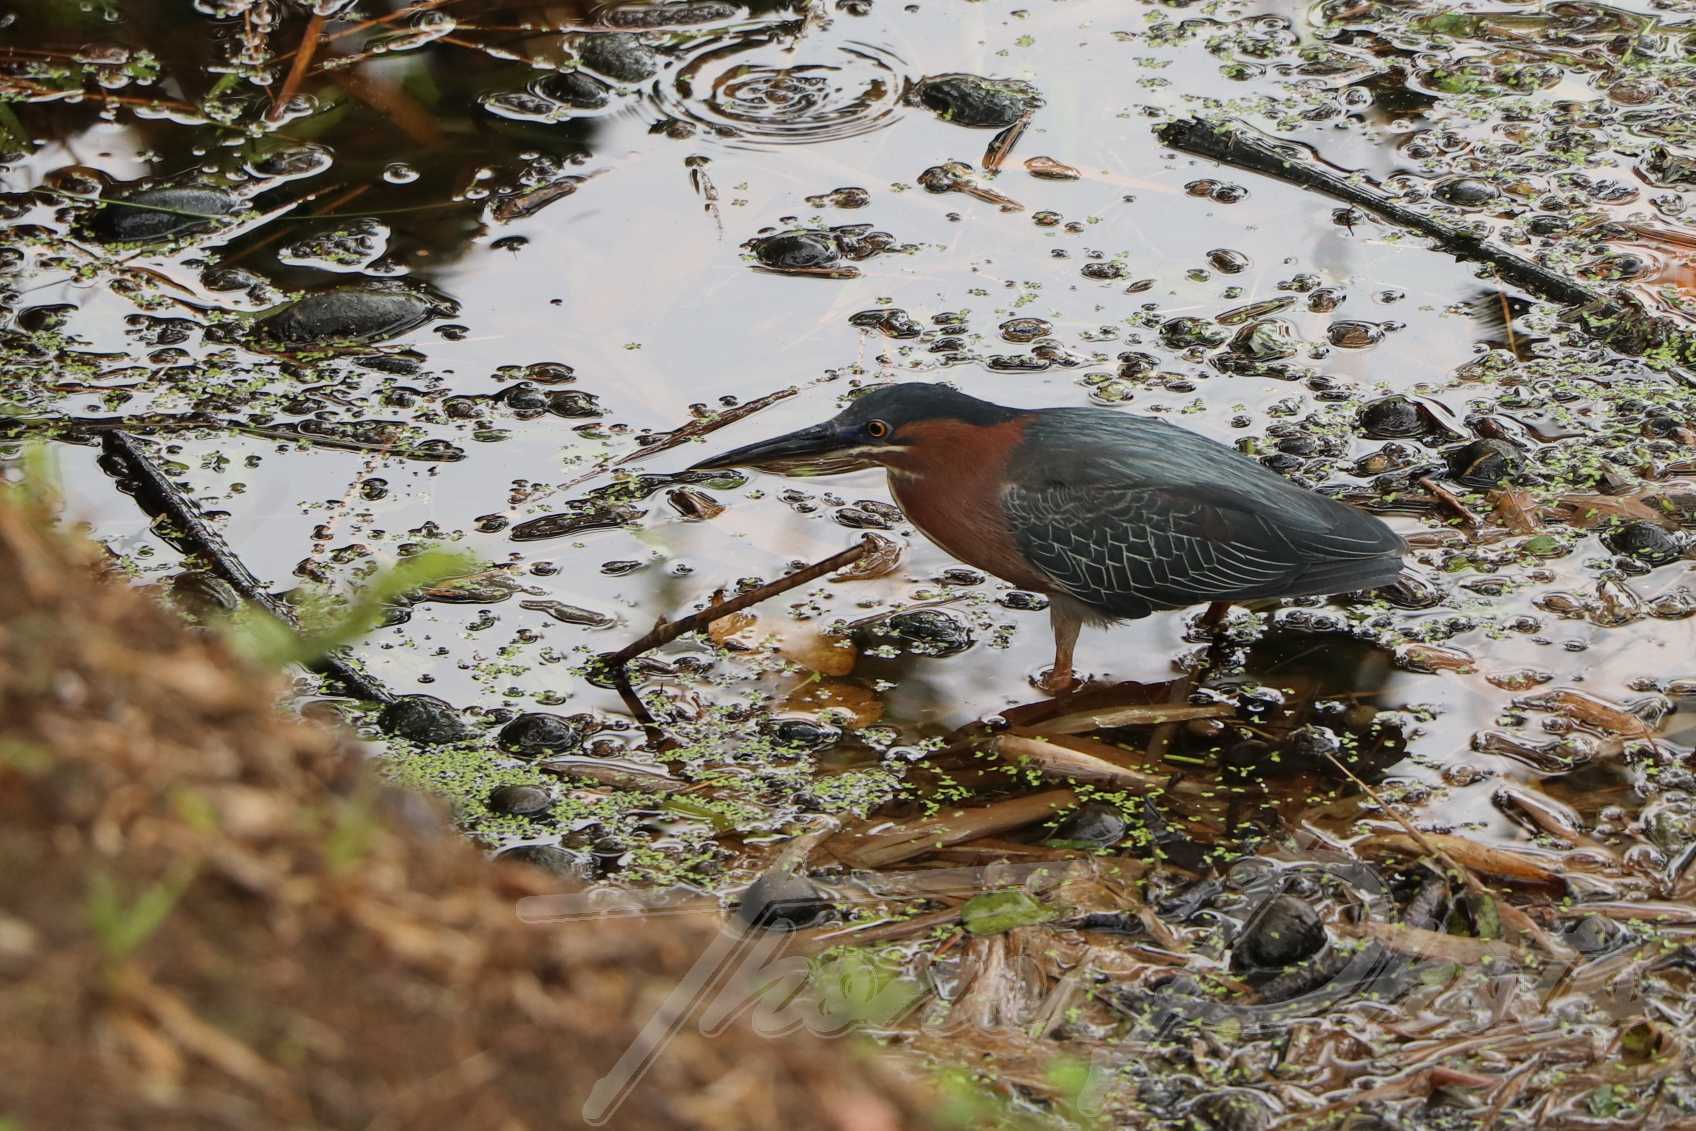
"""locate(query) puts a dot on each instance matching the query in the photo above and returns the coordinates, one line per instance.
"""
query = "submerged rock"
(164, 213)
(805, 734)
(520, 800)
(550, 858)
(1269, 339)
(1393, 418)
(1284, 931)
(1096, 824)
(818, 251)
(787, 251)
(1185, 332)
(926, 632)
(1483, 464)
(353, 313)
(577, 89)
(622, 57)
(1645, 541)
(1468, 192)
(423, 719)
(537, 733)
(975, 101)
(1233, 1110)
(781, 900)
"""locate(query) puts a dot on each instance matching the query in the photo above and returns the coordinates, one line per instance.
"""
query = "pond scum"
(276, 282)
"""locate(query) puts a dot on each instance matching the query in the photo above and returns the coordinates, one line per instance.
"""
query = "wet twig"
(160, 497)
(893, 844)
(1454, 502)
(297, 71)
(88, 427)
(1508, 913)
(365, 25)
(615, 663)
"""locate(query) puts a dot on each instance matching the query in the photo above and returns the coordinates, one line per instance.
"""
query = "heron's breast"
(949, 480)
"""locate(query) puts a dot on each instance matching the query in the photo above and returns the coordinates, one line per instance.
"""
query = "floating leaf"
(997, 911)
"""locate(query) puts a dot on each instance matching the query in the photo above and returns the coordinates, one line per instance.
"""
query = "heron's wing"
(1129, 550)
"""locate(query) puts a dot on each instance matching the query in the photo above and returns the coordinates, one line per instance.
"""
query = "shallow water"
(642, 288)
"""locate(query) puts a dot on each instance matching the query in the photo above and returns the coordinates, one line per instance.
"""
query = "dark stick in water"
(1618, 319)
(664, 633)
(1236, 144)
(158, 496)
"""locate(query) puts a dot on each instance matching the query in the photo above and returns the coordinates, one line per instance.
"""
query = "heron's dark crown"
(922, 400)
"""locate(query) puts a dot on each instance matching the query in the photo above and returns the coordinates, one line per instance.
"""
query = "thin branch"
(665, 633)
(1468, 879)
(159, 496)
(615, 663)
(1233, 143)
(355, 29)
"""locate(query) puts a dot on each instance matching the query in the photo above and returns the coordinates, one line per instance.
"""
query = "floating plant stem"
(1234, 143)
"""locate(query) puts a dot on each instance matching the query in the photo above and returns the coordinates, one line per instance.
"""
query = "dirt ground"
(211, 917)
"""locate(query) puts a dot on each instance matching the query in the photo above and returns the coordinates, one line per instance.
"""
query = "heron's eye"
(878, 429)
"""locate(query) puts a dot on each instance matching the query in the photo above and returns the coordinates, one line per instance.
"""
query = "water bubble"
(291, 162)
(399, 173)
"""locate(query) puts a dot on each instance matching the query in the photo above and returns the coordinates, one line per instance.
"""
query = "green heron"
(1112, 516)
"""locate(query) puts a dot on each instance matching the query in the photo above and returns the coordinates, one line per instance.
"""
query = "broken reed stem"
(1507, 319)
(664, 633)
(88, 426)
(158, 496)
(1453, 501)
(297, 71)
(1002, 144)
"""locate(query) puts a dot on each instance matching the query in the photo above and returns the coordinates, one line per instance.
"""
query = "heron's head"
(879, 428)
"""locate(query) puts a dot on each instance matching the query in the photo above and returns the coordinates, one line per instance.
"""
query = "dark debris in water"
(353, 313)
(163, 212)
(975, 101)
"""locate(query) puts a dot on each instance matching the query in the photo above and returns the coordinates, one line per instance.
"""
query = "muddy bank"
(213, 918)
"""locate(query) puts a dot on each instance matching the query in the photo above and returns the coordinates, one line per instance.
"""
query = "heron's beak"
(823, 449)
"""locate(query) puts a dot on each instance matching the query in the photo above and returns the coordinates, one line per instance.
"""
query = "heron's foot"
(1211, 626)
(1058, 681)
